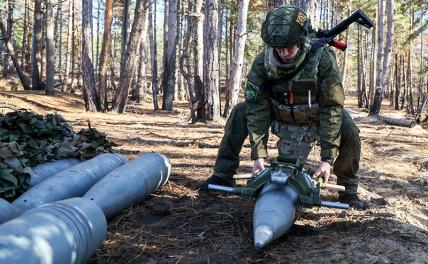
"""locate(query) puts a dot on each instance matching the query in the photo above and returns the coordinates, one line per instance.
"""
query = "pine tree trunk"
(397, 83)
(125, 35)
(345, 53)
(60, 41)
(105, 55)
(377, 102)
(211, 73)
(231, 41)
(36, 45)
(388, 45)
(373, 71)
(421, 66)
(43, 49)
(185, 66)
(9, 20)
(409, 76)
(359, 69)
(165, 43)
(92, 101)
(50, 49)
(130, 59)
(69, 45)
(168, 82)
(234, 82)
(180, 34)
(410, 105)
(153, 55)
(403, 82)
(139, 92)
(74, 47)
(226, 47)
(97, 48)
(198, 56)
(24, 35)
(25, 81)
(222, 90)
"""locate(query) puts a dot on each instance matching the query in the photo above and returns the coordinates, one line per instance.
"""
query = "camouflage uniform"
(316, 113)
(301, 100)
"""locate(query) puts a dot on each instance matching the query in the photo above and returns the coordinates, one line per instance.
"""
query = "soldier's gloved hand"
(259, 165)
(323, 171)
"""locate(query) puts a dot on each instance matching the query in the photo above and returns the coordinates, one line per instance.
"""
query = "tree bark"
(410, 104)
(105, 56)
(43, 49)
(60, 41)
(128, 68)
(377, 102)
(92, 101)
(388, 45)
(403, 81)
(185, 66)
(25, 81)
(169, 78)
(74, 45)
(24, 35)
(50, 49)
(211, 72)
(198, 55)
(69, 45)
(97, 48)
(397, 83)
(396, 121)
(36, 45)
(9, 27)
(234, 82)
(180, 33)
(153, 55)
(359, 69)
(140, 90)
(125, 31)
(345, 53)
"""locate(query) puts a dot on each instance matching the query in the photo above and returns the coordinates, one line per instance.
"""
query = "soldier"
(294, 87)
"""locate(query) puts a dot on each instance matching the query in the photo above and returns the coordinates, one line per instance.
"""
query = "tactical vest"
(295, 100)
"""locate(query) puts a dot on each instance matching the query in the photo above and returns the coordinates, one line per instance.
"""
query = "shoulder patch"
(251, 91)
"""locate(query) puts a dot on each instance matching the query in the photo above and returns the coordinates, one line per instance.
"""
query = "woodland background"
(103, 58)
(118, 52)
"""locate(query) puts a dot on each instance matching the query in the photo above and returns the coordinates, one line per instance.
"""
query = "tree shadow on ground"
(212, 228)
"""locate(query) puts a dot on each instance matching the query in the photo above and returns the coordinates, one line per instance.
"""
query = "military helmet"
(285, 26)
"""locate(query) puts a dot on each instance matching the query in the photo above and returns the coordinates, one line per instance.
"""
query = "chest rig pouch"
(294, 100)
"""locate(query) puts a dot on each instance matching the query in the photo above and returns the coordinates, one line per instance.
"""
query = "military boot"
(215, 180)
(353, 200)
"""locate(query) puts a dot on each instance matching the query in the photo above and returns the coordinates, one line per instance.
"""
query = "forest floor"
(178, 224)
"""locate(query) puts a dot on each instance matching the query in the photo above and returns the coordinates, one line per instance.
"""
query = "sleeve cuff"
(258, 153)
(328, 154)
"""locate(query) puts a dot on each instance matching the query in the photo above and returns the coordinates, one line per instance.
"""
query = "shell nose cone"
(263, 235)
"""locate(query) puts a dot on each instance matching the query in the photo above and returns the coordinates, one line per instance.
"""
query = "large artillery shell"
(67, 231)
(7, 211)
(274, 213)
(130, 183)
(46, 170)
(72, 182)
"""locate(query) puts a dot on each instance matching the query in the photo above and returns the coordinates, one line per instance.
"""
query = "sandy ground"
(177, 224)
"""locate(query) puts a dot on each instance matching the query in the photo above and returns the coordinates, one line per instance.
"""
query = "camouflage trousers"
(294, 142)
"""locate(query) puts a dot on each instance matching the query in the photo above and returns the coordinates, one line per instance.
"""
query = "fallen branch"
(396, 121)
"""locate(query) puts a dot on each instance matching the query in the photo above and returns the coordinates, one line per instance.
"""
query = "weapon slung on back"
(327, 36)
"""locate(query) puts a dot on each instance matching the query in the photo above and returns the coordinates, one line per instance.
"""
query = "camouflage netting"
(28, 139)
